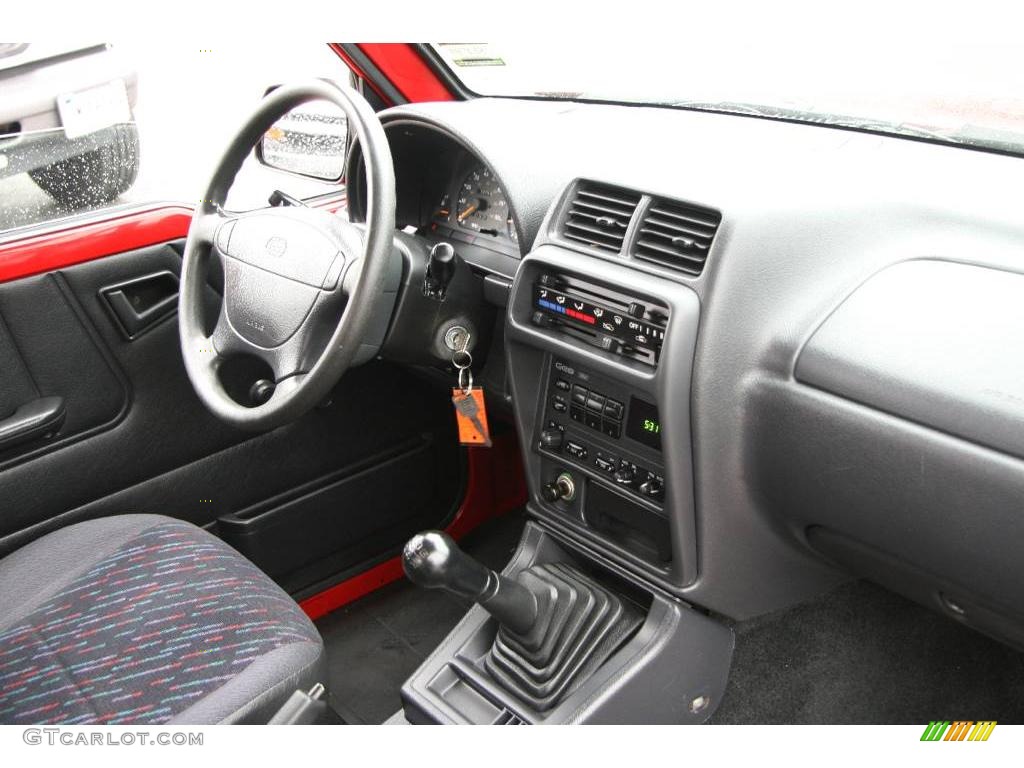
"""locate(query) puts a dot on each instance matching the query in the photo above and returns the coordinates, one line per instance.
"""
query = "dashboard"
(829, 400)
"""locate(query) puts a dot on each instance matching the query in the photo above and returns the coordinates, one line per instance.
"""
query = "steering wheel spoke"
(208, 222)
(285, 361)
(223, 340)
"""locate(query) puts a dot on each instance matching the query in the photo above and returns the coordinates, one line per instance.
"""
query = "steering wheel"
(288, 273)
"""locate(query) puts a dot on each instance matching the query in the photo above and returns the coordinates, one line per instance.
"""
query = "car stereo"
(599, 424)
(599, 315)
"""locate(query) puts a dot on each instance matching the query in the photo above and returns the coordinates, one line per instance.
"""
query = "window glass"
(92, 126)
(926, 87)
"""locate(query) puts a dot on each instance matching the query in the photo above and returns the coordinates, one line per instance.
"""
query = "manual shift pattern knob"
(433, 560)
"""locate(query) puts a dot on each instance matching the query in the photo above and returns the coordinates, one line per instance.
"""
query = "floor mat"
(862, 654)
(376, 643)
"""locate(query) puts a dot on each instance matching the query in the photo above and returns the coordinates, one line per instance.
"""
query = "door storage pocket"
(341, 519)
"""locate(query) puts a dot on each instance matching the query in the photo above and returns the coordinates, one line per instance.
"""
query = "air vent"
(599, 216)
(676, 236)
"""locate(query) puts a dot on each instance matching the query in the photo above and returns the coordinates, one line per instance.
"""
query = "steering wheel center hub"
(279, 264)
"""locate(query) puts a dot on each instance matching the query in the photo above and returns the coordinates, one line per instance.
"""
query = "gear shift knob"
(433, 560)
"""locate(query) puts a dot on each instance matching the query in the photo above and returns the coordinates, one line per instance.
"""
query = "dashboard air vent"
(599, 215)
(676, 235)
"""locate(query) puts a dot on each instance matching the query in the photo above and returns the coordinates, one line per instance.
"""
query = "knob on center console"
(625, 476)
(552, 438)
(651, 487)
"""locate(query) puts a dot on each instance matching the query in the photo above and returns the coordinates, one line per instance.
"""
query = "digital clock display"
(643, 424)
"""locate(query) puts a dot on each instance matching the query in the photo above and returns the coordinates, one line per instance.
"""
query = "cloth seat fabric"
(144, 619)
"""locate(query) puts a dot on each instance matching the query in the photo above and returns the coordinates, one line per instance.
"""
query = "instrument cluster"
(476, 207)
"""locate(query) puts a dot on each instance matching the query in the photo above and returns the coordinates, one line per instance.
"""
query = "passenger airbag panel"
(939, 343)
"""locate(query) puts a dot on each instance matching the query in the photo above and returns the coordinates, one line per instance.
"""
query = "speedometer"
(481, 204)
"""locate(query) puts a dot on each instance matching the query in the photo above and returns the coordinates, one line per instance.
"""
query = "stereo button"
(579, 395)
(576, 450)
(613, 409)
(611, 428)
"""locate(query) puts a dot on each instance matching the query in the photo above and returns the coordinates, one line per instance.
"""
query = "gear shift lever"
(556, 624)
(433, 560)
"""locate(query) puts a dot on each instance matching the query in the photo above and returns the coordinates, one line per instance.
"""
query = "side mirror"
(309, 141)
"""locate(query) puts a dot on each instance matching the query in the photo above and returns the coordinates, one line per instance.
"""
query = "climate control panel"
(600, 315)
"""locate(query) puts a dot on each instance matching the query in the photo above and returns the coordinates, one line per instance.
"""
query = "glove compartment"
(899, 450)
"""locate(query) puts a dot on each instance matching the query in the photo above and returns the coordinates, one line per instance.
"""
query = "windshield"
(962, 95)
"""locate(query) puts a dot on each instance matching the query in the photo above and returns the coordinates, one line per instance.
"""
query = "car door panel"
(52, 350)
(343, 485)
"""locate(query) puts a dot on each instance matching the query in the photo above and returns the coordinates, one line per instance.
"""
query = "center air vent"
(599, 215)
(676, 235)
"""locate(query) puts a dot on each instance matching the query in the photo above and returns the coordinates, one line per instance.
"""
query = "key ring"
(465, 372)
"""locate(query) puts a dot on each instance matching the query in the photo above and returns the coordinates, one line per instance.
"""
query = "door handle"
(31, 420)
(137, 305)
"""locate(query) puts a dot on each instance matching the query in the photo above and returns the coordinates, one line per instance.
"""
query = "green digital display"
(643, 424)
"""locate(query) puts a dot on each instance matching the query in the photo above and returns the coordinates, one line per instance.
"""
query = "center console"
(601, 365)
(599, 354)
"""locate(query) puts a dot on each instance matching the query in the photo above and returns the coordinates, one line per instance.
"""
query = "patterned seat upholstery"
(145, 619)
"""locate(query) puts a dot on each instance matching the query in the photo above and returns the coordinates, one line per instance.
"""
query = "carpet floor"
(862, 654)
(859, 654)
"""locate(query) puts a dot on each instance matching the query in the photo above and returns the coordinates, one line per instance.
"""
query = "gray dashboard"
(809, 215)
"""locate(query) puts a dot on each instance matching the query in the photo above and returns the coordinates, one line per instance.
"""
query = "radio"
(601, 425)
(601, 316)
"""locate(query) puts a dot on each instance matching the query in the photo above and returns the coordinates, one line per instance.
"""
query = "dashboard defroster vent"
(676, 235)
(598, 215)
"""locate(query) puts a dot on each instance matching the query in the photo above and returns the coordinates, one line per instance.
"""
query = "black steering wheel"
(288, 273)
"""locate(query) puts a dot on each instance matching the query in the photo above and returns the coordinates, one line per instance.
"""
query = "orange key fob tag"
(471, 415)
